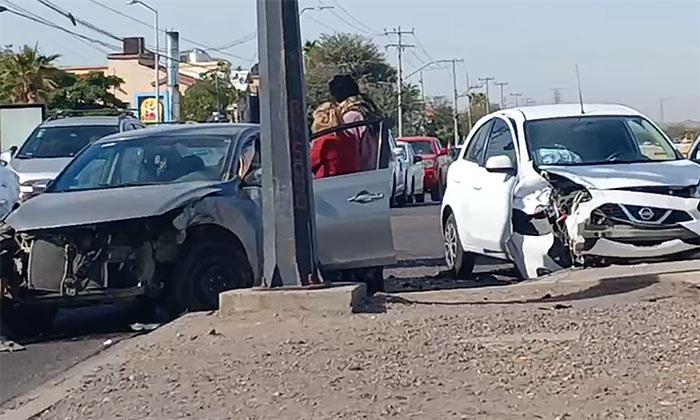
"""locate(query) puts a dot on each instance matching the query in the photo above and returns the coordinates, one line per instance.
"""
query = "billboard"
(146, 108)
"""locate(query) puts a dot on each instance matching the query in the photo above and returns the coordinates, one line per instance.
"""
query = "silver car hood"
(677, 173)
(37, 168)
(76, 208)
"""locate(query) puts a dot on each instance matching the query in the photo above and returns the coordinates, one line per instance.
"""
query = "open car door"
(352, 209)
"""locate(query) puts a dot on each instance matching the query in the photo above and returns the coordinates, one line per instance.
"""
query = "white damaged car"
(550, 187)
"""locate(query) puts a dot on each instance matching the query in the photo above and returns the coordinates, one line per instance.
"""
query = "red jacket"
(334, 154)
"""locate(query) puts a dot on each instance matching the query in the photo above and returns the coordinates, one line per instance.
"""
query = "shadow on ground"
(605, 287)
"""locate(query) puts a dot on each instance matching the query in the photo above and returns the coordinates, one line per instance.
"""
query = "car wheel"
(436, 193)
(409, 197)
(460, 264)
(208, 268)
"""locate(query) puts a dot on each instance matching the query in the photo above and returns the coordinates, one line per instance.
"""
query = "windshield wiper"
(23, 156)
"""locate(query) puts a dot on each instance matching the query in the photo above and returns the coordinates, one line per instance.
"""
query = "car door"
(353, 226)
(491, 209)
(460, 192)
(694, 153)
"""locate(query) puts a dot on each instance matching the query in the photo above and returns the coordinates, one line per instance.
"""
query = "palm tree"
(28, 76)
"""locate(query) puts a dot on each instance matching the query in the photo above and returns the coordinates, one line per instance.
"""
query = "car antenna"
(580, 95)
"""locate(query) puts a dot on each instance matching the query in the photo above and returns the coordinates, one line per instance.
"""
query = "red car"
(436, 160)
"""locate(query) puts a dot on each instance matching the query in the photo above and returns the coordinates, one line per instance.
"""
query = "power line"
(191, 41)
(76, 20)
(318, 22)
(342, 19)
(38, 19)
(340, 6)
(420, 46)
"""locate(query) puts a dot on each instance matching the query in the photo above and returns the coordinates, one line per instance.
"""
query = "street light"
(317, 8)
(156, 60)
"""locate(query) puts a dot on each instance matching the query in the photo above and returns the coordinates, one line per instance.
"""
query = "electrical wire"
(191, 41)
(22, 12)
(321, 23)
(340, 6)
(342, 19)
(83, 22)
(420, 46)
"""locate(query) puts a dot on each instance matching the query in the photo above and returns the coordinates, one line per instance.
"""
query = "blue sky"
(629, 51)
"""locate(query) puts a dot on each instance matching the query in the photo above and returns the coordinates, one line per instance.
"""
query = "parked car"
(174, 214)
(549, 187)
(436, 160)
(415, 175)
(399, 167)
(55, 142)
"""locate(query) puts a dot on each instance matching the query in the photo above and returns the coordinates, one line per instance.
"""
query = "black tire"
(393, 201)
(460, 264)
(208, 267)
(410, 197)
(436, 193)
(420, 198)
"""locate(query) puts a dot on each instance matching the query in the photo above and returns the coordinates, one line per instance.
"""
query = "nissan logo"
(646, 213)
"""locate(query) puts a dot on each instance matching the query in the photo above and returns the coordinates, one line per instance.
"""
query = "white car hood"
(678, 173)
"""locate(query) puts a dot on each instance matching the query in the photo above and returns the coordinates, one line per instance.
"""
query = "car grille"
(644, 214)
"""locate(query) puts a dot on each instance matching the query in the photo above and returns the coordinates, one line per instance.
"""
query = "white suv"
(548, 187)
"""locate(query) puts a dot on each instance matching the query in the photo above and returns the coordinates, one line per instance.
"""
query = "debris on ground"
(9, 346)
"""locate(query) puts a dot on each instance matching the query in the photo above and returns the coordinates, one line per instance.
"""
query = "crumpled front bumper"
(633, 238)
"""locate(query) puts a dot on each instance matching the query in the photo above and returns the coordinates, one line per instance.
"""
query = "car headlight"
(428, 163)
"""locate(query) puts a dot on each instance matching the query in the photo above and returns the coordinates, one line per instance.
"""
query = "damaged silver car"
(550, 187)
(174, 214)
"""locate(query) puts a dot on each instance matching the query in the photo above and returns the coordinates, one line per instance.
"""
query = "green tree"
(214, 92)
(359, 57)
(94, 90)
(27, 76)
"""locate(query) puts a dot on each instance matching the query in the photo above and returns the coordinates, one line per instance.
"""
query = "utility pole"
(516, 96)
(503, 99)
(469, 103)
(289, 233)
(455, 110)
(422, 99)
(557, 95)
(173, 65)
(486, 81)
(661, 110)
(399, 48)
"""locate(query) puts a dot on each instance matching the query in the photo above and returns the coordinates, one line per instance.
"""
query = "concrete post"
(288, 204)
(173, 65)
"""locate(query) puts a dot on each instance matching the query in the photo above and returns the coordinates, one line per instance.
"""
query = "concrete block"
(337, 298)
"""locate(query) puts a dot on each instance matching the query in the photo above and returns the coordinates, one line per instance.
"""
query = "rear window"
(57, 142)
(422, 147)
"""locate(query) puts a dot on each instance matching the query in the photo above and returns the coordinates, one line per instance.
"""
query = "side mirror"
(443, 152)
(417, 159)
(500, 164)
(6, 157)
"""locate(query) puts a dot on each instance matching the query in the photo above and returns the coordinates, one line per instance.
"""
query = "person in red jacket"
(335, 153)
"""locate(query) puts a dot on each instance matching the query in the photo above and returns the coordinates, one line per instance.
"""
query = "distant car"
(550, 187)
(399, 166)
(415, 175)
(174, 214)
(54, 143)
(436, 161)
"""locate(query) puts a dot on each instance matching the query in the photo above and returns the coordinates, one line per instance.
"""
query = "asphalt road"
(80, 334)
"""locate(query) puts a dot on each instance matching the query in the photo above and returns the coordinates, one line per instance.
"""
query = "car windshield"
(146, 161)
(422, 147)
(592, 140)
(57, 142)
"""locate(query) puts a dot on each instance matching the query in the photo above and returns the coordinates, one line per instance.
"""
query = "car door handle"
(364, 197)
(476, 187)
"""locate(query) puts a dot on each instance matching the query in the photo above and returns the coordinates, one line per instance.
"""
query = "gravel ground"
(613, 350)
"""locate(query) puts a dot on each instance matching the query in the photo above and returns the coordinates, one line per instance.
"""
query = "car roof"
(75, 121)
(180, 129)
(542, 112)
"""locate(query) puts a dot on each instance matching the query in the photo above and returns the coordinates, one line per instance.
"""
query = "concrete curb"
(336, 298)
